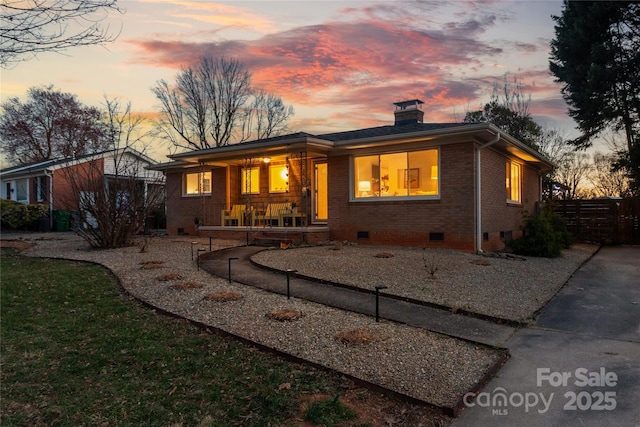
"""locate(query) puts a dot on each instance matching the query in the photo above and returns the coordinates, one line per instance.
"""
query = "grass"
(328, 412)
(75, 351)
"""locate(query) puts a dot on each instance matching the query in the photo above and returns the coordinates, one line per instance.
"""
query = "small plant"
(328, 412)
(430, 264)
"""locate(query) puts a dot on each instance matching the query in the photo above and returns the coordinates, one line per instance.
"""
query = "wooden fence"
(611, 221)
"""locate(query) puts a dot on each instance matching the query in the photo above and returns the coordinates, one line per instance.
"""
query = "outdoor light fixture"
(266, 159)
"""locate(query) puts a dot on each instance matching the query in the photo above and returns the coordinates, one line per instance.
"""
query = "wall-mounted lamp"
(266, 159)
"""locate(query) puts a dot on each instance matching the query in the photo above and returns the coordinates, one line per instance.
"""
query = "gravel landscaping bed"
(415, 362)
(506, 288)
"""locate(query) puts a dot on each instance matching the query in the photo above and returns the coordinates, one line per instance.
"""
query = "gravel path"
(506, 288)
(418, 363)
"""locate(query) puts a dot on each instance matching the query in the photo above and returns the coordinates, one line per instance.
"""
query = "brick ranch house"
(47, 182)
(454, 185)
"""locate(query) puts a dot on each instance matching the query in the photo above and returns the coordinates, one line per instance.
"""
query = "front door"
(320, 200)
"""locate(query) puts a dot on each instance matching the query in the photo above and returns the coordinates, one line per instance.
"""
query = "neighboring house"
(452, 185)
(48, 182)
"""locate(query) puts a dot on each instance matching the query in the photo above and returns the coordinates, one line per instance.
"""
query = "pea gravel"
(433, 368)
(511, 288)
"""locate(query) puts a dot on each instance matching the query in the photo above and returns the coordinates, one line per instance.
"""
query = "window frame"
(201, 184)
(41, 188)
(284, 166)
(509, 181)
(373, 198)
(243, 177)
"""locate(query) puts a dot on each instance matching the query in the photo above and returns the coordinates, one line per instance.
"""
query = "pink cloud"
(366, 64)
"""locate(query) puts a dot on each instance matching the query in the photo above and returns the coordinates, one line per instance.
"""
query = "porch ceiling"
(238, 153)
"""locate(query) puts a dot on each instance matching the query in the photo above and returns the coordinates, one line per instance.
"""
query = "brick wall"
(408, 222)
(498, 215)
(67, 182)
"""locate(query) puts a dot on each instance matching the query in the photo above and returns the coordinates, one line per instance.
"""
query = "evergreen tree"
(596, 55)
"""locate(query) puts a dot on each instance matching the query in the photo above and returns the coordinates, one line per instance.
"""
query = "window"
(22, 190)
(513, 183)
(278, 178)
(404, 174)
(41, 188)
(197, 183)
(250, 181)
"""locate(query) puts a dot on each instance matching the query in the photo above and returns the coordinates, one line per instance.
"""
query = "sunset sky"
(341, 64)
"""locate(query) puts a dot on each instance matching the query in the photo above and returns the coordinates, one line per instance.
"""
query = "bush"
(543, 235)
(18, 216)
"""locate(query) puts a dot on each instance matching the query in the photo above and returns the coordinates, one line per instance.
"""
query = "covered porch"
(273, 187)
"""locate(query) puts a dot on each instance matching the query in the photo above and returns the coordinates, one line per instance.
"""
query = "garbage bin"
(62, 219)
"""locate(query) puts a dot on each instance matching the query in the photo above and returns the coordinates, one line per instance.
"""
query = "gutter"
(479, 191)
(49, 174)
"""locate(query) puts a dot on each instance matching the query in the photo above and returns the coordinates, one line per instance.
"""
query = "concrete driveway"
(580, 364)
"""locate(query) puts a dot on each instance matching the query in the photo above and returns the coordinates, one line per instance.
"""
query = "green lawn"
(76, 352)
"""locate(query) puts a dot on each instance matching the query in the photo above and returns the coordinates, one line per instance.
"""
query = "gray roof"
(387, 130)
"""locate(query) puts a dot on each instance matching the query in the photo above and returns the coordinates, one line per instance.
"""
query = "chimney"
(408, 112)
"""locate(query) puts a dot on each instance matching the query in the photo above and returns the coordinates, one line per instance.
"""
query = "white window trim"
(184, 184)
(242, 177)
(353, 198)
(520, 169)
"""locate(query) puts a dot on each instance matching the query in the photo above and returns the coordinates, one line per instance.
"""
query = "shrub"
(18, 216)
(543, 235)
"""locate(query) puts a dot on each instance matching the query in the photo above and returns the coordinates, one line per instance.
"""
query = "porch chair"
(271, 214)
(236, 214)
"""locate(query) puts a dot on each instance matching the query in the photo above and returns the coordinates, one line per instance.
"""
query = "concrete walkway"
(359, 301)
(580, 364)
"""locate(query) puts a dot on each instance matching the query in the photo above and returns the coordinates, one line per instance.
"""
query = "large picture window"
(197, 183)
(278, 178)
(250, 181)
(404, 174)
(513, 183)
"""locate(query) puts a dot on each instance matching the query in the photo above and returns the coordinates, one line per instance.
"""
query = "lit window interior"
(197, 183)
(405, 174)
(278, 178)
(250, 181)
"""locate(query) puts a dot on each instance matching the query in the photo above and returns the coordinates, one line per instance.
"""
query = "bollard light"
(289, 271)
(378, 288)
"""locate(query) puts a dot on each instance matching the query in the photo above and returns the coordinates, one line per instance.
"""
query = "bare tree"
(210, 106)
(114, 194)
(29, 27)
(573, 172)
(606, 180)
(270, 115)
(48, 125)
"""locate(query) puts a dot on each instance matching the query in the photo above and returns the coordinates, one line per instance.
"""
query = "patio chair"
(271, 214)
(236, 214)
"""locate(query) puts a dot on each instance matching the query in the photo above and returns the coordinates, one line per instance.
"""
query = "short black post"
(289, 271)
(198, 257)
(210, 239)
(192, 243)
(378, 301)
(231, 259)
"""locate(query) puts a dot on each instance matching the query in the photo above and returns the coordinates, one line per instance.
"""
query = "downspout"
(49, 174)
(479, 192)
